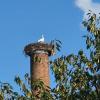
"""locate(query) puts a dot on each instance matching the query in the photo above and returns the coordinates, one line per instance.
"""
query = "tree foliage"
(77, 76)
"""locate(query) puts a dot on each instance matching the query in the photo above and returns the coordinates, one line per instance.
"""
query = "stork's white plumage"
(41, 40)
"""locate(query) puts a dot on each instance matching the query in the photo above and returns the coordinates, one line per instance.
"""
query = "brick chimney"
(39, 61)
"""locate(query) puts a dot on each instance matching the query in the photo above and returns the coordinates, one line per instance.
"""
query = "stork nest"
(31, 48)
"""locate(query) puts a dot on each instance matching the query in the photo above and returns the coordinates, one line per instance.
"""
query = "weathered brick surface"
(40, 67)
(39, 62)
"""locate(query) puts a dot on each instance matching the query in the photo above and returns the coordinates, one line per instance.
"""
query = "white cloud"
(86, 5)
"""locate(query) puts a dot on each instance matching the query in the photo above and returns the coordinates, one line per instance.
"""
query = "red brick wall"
(40, 67)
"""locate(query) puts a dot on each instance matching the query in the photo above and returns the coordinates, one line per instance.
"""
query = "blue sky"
(23, 21)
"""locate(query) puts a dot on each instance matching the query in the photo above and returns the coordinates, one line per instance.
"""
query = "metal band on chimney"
(40, 51)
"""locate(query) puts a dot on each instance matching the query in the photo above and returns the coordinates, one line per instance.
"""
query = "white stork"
(41, 40)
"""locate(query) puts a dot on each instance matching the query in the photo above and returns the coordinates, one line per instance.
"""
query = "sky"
(23, 21)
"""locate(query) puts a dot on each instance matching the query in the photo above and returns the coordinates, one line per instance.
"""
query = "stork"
(41, 40)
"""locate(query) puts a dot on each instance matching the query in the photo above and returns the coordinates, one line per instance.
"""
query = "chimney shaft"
(40, 67)
(39, 61)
